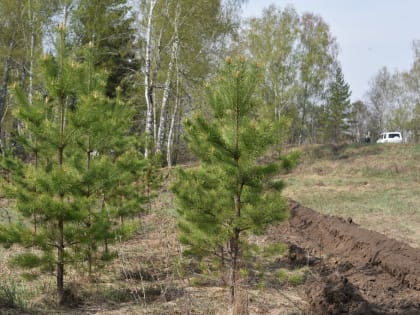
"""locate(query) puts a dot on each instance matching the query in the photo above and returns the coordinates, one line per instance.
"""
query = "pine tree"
(50, 180)
(109, 24)
(81, 168)
(231, 193)
(107, 161)
(338, 108)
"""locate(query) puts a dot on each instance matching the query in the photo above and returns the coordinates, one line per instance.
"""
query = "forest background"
(159, 54)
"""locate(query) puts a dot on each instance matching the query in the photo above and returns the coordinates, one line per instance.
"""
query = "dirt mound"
(358, 271)
(336, 236)
(336, 295)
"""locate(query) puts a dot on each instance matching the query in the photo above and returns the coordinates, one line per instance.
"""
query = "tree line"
(393, 101)
(159, 54)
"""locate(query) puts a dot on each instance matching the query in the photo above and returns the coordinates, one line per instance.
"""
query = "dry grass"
(376, 185)
(150, 276)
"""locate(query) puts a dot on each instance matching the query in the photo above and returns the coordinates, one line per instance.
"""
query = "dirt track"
(357, 271)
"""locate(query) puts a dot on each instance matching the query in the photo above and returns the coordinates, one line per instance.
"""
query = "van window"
(394, 135)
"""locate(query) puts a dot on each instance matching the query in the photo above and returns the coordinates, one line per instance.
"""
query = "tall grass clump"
(12, 295)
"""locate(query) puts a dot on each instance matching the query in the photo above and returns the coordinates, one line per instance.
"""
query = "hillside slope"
(376, 185)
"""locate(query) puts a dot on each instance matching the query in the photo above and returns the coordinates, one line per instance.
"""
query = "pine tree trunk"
(60, 262)
(234, 241)
(88, 194)
(234, 263)
(60, 245)
(235, 251)
(60, 225)
(222, 268)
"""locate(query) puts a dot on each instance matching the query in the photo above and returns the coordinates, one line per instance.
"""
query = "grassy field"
(378, 186)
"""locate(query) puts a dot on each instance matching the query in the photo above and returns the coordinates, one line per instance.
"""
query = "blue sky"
(370, 33)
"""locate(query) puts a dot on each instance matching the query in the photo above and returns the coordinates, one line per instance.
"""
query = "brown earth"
(356, 271)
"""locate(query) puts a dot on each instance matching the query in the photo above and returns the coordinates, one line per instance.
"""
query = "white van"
(390, 137)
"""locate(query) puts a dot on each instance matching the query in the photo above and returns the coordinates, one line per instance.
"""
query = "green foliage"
(29, 276)
(109, 26)
(338, 109)
(282, 274)
(231, 193)
(272, 41)
(14, 233)
(297, 53)
(277, 249)
(12, 295)
(26, 260)
(290, 160)
(297, 277)
(80, 176)
(292, 277)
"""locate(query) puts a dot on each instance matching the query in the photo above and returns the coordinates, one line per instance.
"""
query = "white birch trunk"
(5, 82)
(167, 87)
(165, 99)
(171, 133)
(155, 72)
(31, 17)
(31, 67)
(148, 87)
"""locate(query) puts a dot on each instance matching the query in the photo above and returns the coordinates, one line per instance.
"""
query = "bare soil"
(356, 271)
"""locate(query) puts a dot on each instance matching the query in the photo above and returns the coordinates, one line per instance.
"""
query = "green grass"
(13, 295)
(292, 277)
(277, 249)
(376, 185)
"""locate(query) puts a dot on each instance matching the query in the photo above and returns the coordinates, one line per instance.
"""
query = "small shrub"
(282, 274)
(244, 273)
(292, 277)
(197, 281)
(26, 260)
(262, 284)
(29, 276)
(296, 278)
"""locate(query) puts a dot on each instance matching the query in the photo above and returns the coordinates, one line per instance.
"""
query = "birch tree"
(381, 96)
(177, 38)
(272, 41)
(148, 82)
(317, 50)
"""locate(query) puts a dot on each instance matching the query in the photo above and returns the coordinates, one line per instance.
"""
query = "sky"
(371, 34)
